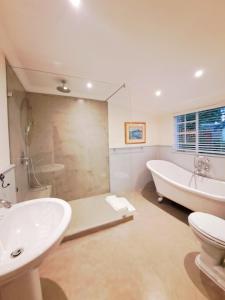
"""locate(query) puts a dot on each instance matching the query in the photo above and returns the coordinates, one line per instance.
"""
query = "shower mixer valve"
(24, 159)
(2, 179)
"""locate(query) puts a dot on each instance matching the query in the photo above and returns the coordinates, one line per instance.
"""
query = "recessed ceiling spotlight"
(63, 88)
(75, 3)
(158, 93)
(199, 73)
(89, 85)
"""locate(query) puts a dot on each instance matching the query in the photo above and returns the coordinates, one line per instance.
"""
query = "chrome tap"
(201, 165)
(206, 164)
(5, 204)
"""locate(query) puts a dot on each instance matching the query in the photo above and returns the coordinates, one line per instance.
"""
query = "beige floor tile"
(150, 258)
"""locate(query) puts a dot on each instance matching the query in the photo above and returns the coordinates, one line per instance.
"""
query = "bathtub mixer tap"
(201, 165)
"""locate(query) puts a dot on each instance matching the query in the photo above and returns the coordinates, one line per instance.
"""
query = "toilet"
(210, 231)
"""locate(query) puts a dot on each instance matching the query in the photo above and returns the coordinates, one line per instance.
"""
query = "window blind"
(201, 132)
(211, 131)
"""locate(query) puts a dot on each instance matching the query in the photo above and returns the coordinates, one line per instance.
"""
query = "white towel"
(119, 203)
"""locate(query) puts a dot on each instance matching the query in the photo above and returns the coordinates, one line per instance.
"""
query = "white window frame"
(196, 150)
(185, 132)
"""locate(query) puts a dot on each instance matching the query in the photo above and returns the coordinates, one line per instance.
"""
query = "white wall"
(165, 130)
(5, 47)
(120, 110)
(128, 162)
(186, 160)
(4, 134)
(128, 170)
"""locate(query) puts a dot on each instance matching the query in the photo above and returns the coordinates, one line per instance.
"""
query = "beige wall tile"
(73, 133)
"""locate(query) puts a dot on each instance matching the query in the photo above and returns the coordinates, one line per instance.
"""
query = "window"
(201, 132)
(186, 132)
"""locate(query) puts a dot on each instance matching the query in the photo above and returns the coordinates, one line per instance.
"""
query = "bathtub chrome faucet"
(201, 165)
(5, 204)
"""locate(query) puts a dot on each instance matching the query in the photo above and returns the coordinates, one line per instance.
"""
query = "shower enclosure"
(59, 143)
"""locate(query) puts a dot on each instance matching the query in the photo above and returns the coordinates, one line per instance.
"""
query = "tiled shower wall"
(72, 133)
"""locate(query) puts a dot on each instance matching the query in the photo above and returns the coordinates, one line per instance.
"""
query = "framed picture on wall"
(135, 132)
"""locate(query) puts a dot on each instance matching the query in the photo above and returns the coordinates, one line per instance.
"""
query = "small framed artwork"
(135, 132)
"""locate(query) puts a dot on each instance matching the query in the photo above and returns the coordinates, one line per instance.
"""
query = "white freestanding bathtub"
(192, 191)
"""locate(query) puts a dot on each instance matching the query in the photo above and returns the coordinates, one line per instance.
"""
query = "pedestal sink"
(28, 232)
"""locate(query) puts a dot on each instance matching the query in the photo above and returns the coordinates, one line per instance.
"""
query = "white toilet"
(210, 231)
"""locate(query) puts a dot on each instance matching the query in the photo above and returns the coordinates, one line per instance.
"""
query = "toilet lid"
(209, 225)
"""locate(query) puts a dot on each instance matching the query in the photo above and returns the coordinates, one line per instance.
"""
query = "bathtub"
(192, 191)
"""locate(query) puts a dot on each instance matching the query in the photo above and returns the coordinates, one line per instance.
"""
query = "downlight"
(199, 73)
(75, 3)
(63, 88)
(158, 93)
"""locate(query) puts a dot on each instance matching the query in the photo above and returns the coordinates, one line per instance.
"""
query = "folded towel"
(119, 203)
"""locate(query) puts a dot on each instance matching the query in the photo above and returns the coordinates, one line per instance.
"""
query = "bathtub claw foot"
(160, 199)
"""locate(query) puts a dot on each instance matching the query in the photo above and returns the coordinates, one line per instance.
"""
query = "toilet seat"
(212, 227)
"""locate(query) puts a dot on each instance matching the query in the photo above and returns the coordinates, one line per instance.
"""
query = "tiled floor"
(150, 258)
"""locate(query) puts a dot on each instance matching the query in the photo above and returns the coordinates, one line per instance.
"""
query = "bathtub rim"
(182, 186)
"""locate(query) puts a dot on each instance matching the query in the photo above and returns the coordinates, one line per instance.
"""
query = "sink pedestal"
(25, 287)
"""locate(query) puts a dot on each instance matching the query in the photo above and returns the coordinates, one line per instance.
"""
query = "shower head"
(63, 88)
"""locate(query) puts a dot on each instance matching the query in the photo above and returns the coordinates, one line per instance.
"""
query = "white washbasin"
(35, 227)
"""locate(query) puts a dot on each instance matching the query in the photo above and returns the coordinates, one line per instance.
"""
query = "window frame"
(186, 133)
(197, 133)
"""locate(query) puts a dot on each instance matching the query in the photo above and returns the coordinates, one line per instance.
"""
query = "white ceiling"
(149, 44)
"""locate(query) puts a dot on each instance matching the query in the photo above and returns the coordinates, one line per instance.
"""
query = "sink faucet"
(5, 204)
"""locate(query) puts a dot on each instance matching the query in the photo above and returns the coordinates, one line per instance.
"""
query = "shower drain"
(16, 252)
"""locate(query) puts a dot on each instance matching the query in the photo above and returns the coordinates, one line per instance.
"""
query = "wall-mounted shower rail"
(123, 86)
